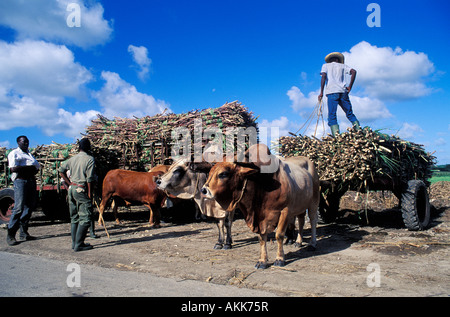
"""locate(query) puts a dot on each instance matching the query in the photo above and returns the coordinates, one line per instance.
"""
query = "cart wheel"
(54, 205)
(6, 203)
(416, 206)
(329, 207)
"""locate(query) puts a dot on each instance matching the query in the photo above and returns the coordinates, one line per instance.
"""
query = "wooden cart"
(51, 197)
(365, 160)
(412, 194)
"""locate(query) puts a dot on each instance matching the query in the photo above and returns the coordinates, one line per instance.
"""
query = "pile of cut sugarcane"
(355, 156)
(135, 144)
(49, 157)
(138, 143)
(3, 168)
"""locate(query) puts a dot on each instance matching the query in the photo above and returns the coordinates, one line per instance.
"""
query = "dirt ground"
(349, 255)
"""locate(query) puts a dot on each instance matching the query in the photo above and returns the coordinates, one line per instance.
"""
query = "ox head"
(226, 182)
(183, 178)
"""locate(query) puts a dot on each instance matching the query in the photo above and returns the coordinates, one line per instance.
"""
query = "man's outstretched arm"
(322, 85)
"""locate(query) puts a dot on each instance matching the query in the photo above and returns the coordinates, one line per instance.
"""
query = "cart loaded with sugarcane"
(365, 160)
(49, 186)
(121, 143)
(360, 160)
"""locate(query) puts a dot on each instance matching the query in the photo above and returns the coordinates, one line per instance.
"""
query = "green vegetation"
(440, 173)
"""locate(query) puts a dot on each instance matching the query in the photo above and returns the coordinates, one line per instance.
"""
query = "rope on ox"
(242, 195)
(101, 219)
(318, 111)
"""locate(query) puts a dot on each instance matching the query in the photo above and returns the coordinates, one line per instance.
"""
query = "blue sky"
(139, 57)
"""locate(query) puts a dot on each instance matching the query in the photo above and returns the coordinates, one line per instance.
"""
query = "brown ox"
(184, 180)
(268, 200)
(160, 169)
(135, 188)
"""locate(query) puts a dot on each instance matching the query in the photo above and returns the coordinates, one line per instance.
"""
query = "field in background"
(441, 173)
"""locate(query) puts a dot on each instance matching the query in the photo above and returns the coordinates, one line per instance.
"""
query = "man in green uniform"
(81, 168)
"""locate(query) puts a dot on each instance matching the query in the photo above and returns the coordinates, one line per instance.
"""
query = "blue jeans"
(24, 203)
(342, 100)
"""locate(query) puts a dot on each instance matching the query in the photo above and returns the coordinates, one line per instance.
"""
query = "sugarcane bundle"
(4, 171)
(357, 156)
(50, 158)
(136, 143)
(54, 151)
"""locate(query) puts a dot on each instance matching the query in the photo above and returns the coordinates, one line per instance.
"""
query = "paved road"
(24, 275)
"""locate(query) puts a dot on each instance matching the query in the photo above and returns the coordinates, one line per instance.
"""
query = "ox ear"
(202, 167)
(244, 171)
(260, 155)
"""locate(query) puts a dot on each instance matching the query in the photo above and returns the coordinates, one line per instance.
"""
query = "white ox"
(184, 180)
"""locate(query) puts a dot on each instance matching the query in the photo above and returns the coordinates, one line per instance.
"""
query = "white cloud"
(71, 125)
(119, 98)
(409, 131)
(300, 101)
(440, 142)
(47, 20)
(36, 78)
(140, 57)
(5, 144)
(37, 75)
(270, 131)
(38, 68)
(27, 112)
(365, 108)
(283, 125)
(24, 112)
(384, 74)
(390, 74)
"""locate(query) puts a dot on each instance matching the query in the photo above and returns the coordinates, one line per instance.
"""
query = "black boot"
(11, 237)
(79, 239)
(92, 230)
(73, 233)
(24, 235)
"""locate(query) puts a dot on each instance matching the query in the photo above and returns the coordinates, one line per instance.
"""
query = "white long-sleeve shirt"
(17, 157)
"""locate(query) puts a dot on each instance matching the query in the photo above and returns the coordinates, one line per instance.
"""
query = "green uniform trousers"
(80, 206)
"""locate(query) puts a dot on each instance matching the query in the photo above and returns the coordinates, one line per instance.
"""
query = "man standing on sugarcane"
(333, 80)
(81, 168)
(24, 168)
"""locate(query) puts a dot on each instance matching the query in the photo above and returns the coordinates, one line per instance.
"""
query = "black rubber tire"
(54, 205)
(6, 203)
(416, 206)
(329, 207)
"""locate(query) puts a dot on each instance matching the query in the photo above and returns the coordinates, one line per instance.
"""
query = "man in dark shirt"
(81, 168)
